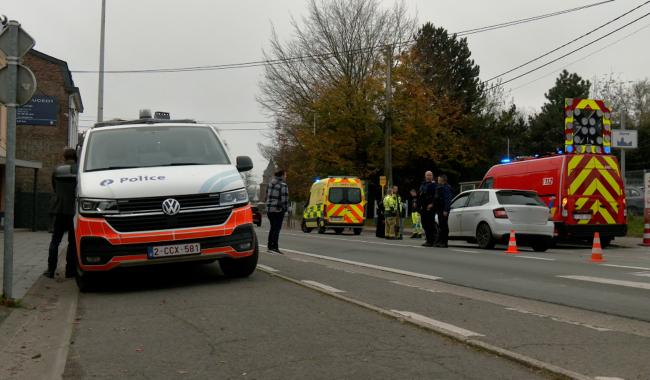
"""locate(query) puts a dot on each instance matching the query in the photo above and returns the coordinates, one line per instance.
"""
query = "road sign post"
(17, 84)
(382, 183)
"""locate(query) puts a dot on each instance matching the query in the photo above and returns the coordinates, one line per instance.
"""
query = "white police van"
(156, 191)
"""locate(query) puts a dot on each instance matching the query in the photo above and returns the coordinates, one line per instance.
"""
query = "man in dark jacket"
(64, 182)
(426, 198)
(444, 195)
(277, 204)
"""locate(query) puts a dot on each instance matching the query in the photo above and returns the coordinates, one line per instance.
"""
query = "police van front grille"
(138, 223)
(155, 203)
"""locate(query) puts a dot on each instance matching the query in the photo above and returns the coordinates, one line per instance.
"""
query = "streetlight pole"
(100, 91)
(388, 153)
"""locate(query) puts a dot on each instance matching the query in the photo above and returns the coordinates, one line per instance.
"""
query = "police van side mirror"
(244, 163)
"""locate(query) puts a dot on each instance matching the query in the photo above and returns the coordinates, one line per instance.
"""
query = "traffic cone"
(512, 244)
(646, 235)
(597, 250)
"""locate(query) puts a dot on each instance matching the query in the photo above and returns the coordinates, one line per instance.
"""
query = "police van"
(153, 191)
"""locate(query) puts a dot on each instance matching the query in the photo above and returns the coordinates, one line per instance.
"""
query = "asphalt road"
(191, 323)
(620, 286)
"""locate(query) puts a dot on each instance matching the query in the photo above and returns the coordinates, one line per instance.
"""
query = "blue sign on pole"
(40, 110)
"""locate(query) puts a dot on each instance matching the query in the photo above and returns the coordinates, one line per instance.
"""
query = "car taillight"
(500, 213)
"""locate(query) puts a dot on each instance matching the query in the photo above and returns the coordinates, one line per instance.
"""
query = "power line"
(568, 43)
(583, 58)
(569, 53)
(258, 63)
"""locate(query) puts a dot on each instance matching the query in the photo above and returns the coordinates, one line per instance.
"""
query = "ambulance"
(335, 203)
(153, 191)
(582, 187)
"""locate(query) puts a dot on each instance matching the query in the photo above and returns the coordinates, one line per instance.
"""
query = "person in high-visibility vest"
(391, 215)
(399, 228)
(416, 219)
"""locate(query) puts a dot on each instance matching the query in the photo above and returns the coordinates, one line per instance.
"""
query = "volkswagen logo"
(171, 206)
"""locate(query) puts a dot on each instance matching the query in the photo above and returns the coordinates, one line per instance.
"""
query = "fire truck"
(582, 187)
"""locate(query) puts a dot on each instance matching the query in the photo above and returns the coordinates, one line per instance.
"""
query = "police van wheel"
(86, 282)
(357, 231)
(238, 268)
(338, 231)
(304, 227)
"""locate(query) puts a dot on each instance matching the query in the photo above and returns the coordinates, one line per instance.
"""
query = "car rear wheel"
(484, 236)
(304, 227)
(357, 231)
(238, 268)
(540, 245)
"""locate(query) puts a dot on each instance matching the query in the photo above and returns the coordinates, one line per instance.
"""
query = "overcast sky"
(170, 33)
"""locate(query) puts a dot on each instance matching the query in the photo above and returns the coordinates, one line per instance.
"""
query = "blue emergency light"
(505, 161)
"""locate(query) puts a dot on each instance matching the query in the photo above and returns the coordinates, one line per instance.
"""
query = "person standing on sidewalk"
(277, 204)
(444, 196)
(64, 182)
(426, 202)
(391, 215)
(399, 228)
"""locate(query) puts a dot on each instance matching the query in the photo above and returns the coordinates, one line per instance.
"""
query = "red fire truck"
(583, 187)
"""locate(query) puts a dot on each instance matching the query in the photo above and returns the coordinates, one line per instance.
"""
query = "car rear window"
(524, 198)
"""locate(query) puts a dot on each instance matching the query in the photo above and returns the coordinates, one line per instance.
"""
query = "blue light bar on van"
(505, 161)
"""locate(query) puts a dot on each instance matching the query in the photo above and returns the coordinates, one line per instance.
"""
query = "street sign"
(40, 110)
(382, 181)
(625, 139)
(646, 183)
(25, 87)
(25, 41)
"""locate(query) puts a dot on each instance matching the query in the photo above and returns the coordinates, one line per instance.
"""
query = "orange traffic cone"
(597, 250)
(512, 244)
(646, 235)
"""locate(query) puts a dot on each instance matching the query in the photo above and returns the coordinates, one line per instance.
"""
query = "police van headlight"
(232, 198)
(97, 206)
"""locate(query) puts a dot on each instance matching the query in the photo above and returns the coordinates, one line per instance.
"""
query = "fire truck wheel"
(484, 236)
(605, 241)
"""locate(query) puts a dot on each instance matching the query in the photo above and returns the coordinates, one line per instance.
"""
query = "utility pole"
(388, 151)
(100, 90)
(17, 86)
(314, 123)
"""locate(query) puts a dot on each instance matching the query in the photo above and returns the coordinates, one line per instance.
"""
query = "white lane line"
(609, 281)
(556, 319)
(323, 286)
(441, 325)
(359, 241)
(364, 265)
(464, 250)
(267, 268)
(642, 274)
(415, 286)
(535, 258)
(608, 378)
(624, 266)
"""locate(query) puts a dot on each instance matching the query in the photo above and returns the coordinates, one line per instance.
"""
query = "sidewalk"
(30, 259)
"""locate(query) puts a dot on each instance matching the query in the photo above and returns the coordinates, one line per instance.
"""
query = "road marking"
(642, 274)
(464, 250)
(267, 268)
(609, 281)
(439, 324)
(608, 378)
(624, 266)
(535, 258)
(415, 286)
(360, 241)
(556, 319)
(327, 288)
(365, 265)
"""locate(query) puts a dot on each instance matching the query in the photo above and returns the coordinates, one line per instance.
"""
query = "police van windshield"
(153, 146)
(345, 195)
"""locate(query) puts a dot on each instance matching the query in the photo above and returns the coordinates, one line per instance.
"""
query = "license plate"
(582, 216)
(336, 219)
(174, 250)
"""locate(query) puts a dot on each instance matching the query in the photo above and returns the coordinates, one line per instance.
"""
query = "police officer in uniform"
(426, 201)
(64, 182)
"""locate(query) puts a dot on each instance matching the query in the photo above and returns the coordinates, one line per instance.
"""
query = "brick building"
(45, 126)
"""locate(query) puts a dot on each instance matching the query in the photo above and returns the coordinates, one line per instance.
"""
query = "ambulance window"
(354, 196)
(488, 183)
(478, 198)
(460, 201)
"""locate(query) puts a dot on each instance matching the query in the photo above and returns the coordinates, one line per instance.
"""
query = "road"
(344, 306)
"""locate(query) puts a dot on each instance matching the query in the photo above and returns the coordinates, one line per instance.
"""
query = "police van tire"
(304, 227)
(86, 282)
(238, 268)
(484, 236)
(357, 231)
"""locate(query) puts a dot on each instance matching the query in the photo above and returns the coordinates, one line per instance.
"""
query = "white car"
(487, 216)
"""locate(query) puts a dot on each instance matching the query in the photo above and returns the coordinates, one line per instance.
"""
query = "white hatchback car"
(487, 216)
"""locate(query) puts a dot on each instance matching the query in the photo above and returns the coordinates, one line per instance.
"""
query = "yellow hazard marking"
(574, 162)
(612, 163)
(597, 185)
(580, 179)
(591, 103)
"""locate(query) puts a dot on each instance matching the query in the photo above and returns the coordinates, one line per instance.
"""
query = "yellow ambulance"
(336, 203)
